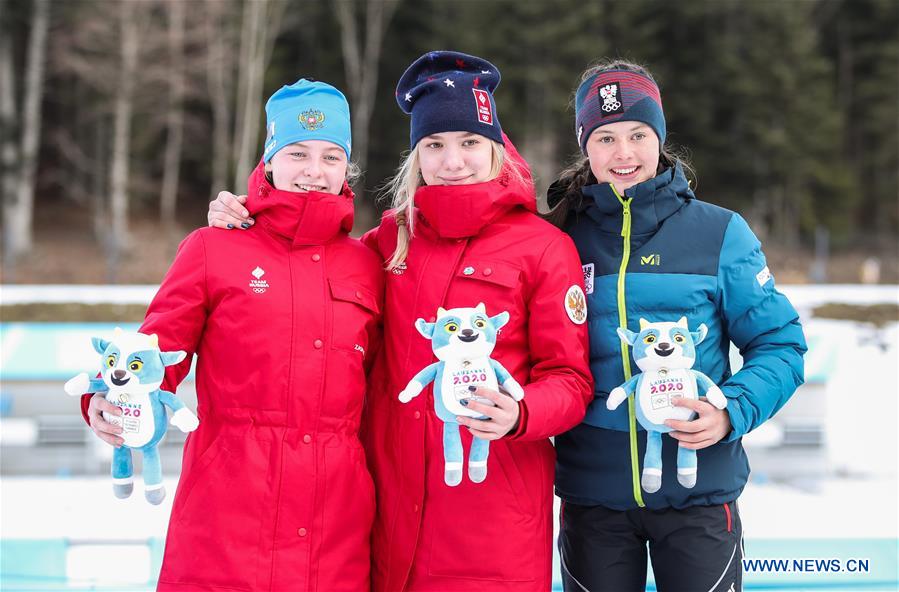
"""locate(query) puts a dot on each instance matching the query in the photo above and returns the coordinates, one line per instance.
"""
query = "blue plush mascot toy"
(462, 340)
(665, 353)
(132, 372)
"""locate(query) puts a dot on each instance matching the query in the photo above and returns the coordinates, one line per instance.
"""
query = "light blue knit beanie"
(306, 110)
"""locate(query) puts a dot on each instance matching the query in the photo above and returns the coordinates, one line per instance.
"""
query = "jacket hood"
(304, 218)
(462, 211)
(652, 201)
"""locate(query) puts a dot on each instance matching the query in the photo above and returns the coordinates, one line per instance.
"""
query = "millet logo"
(651, 260)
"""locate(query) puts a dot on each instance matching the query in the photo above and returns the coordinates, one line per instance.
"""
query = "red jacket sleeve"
(375, 327)
(560, 385)
(375, 331)
(178, 311)
(370, 239)
(85, 403)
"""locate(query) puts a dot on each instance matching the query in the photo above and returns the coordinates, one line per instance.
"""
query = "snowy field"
(800, 295)
(71, 534)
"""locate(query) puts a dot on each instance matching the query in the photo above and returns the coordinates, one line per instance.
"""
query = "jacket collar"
(308, 218)
(462, 211)
(653, 201)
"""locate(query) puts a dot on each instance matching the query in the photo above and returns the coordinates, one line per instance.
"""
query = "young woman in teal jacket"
(651, 250)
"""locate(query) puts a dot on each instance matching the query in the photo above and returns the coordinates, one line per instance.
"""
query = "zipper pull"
(626, 220)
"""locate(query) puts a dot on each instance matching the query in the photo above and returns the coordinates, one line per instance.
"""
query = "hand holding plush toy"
(462, 339)
(665, 352)
(132, 372)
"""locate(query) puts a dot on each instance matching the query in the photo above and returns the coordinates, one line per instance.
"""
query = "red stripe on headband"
(631, 81)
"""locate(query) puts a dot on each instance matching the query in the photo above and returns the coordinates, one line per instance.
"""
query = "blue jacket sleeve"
(765, 327)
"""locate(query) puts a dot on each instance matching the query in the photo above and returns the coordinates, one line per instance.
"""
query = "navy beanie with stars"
(448, 91)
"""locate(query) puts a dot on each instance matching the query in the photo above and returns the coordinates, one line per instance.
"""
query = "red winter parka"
(474, 243)
(274, 492)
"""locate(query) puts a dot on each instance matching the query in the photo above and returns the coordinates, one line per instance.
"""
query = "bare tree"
(85, 54)
(9, 148)
(219, 78)
(19, 210)
(124, 103)
(175, 116)
(360, 60)
(261, 24)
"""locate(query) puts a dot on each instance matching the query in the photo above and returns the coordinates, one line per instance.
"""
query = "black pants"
(697, 549)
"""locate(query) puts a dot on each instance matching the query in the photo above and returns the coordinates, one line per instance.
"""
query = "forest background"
(121, 119)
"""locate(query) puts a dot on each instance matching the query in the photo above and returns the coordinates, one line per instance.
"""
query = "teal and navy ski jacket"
(658, 253)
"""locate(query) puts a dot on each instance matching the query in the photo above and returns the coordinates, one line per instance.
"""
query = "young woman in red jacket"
(463, 231)
(274, 492)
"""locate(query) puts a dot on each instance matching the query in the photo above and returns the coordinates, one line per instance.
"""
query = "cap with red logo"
(449, 91)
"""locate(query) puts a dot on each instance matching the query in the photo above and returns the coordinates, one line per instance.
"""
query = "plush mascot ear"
(643, 324)
(699, 335)
(481, 308)
(499, 320)
(172, 358)
(99, 344)
(426, 329)
(627, 335)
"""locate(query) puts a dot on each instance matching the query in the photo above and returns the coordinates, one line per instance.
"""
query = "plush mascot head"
(462, 332)
(664, 345)
(134, 358)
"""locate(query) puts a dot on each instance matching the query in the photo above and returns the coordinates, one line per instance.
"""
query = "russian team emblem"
(258, 285)
(576, 305)
(610, 96)
(312, 119)
(588, 277)
(482, 100)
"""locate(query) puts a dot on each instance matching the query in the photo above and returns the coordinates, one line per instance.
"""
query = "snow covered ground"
(800, 295)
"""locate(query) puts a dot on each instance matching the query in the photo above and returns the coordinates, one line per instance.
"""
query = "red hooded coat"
(474, 243)
(274, 492)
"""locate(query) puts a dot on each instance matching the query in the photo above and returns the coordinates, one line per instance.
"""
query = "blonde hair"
(400, 191)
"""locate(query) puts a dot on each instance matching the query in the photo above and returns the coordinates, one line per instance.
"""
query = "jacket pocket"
(348, 513)
(496, 273)
(197, 472)
(353, 307)
(504, 458)
(497, 284)
(345, 385)
(214, 534)
(466, 527)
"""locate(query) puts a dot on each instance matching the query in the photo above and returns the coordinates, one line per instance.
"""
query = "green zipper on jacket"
(625, 360)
